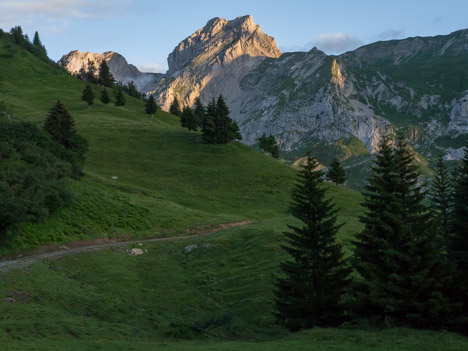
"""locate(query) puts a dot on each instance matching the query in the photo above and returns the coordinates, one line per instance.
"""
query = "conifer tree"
(336, 173)
(209, 126)
(105, 99)
(175, 107)
(226, 128)
(315, 279)
(120, 97)
(188, 120)
(441, 197)
(398, 256)
(36, 40)
(151, 106)
(132, 90)
(105, 76)
(268, 145)
(60, 124)
(200, 113)
(91, 73)
(88, 96)
(458, 246)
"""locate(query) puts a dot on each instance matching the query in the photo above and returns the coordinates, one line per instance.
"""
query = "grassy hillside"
(216, 297)
(165, 174)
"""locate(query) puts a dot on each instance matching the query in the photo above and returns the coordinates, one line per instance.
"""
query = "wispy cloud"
(388, 34)
(153, 67)
(437, 20)
(334, 43)
(54, 15)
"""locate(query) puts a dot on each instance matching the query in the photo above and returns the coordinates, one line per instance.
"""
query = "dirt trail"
(65, 251)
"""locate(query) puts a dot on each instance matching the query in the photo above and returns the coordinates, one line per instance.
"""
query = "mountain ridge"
(418, 84)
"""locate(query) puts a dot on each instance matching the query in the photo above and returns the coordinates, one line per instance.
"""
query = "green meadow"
(147, 178)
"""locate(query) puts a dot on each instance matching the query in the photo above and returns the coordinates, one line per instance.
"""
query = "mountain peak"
(222, 39)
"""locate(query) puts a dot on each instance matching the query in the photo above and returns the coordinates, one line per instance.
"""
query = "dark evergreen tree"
(187, 119)
(88, 96)
(458, 246)
(313, 283)
(398, 256)
(209, 130)
(17, 34)
(60, 124)
(132, 90)
(175, 107)
(105, 76)
(105, 99)
(91, 73)
(336, 172)
(268, 145)
(38, 49)
(120, 97)
(82, 74)
(441, 197)
(151, 106)
(36, 40)
(200, 113)
(226, 128)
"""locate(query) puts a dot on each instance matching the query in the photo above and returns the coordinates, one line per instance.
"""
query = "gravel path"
(26, 261)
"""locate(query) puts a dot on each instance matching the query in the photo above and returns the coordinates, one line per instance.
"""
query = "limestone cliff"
(213, 60)
(118, 65)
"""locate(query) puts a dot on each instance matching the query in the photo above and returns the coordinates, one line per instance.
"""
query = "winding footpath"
(28, 260)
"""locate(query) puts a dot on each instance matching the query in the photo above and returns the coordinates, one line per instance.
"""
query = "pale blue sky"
(145, 32)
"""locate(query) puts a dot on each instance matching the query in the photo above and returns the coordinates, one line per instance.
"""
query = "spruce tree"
(268, 145)
(188, 120)
(88, 96)
(60, 124)
(91, 73)
(458, 246)
(36, 40)
(441, 198)
(175, 107)
(209, 129)
(398, 256)
(313, 283)
(226, 128)
(105, 99)
(200, 113)
(120, 97)
(151, 106)
(336, 172)
(105, 76)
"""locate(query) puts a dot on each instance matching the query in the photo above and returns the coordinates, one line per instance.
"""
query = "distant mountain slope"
(118, 65)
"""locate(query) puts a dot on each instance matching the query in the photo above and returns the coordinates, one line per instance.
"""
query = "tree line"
(216, 125)
(16, 36)
(409, 265)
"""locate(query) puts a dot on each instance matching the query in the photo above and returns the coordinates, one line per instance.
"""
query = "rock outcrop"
(118, 65)
(213, 60)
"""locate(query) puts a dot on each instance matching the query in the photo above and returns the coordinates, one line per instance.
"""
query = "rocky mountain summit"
(213, 60)
(118, 65)
(339, 104)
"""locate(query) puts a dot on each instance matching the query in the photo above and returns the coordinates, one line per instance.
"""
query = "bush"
(33, 176)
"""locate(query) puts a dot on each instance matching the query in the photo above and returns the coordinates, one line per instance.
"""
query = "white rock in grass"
(135, 252)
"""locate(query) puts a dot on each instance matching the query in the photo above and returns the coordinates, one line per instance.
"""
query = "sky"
(145, 32)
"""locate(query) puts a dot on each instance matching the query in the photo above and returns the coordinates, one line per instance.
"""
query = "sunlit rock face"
(213, 60)
(418, 85)
(118, 65)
